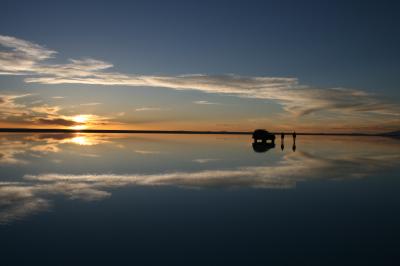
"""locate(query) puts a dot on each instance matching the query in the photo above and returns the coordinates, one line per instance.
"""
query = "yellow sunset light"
(80, 140)
(81, 118)
(80, 127)
(85, 140)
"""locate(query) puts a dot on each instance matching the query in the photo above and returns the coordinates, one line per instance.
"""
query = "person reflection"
(282, 141)
(294, 141)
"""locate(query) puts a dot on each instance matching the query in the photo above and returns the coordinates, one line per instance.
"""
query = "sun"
(82, 120)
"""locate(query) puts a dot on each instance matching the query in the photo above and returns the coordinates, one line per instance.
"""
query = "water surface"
(78, 199)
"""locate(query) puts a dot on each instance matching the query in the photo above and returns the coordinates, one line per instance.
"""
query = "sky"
(315, 66)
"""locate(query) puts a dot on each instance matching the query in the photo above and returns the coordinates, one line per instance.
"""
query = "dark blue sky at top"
(352, 44)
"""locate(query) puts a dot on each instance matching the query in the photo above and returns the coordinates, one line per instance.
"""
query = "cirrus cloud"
(24, 57)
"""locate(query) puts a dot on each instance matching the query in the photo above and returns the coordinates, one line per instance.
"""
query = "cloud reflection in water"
(12, 149)
(33, 192)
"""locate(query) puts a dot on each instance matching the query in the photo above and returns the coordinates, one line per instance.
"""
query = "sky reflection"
(197, 162)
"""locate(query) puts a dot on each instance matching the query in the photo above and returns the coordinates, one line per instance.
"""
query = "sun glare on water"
(87, 140)
(80, 140)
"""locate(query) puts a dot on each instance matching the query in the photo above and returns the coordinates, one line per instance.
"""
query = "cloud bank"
(26, 58)
(19, 108)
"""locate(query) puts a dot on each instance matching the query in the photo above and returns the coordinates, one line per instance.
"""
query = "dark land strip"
(39, 130)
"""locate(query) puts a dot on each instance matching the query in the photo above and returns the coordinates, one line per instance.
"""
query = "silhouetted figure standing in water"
(282, 141)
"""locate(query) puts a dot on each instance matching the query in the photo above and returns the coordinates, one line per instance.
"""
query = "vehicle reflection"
(264, 146)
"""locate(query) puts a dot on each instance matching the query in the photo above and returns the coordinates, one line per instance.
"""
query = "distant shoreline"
(54, 130)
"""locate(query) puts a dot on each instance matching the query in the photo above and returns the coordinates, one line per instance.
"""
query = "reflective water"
(76, 199)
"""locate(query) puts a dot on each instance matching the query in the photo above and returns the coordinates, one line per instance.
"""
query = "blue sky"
(323, 45)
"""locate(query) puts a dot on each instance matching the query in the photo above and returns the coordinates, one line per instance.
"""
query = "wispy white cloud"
(147, 152)
(205, 103)
(205, 160)
(46, 109)
(90, 104)
(142, 109)
(9, 106)
(23, 57)
(92, 155)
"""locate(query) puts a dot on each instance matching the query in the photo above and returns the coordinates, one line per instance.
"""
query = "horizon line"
(204, 132)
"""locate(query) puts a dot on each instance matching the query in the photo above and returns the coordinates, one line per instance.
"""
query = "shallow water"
(78, 199)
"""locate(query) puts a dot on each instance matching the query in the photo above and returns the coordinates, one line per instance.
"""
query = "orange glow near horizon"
(83, 120)
(90, 122)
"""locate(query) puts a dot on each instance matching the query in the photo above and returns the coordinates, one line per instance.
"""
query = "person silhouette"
(282, 136)
(282, 146)
(294, 136)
